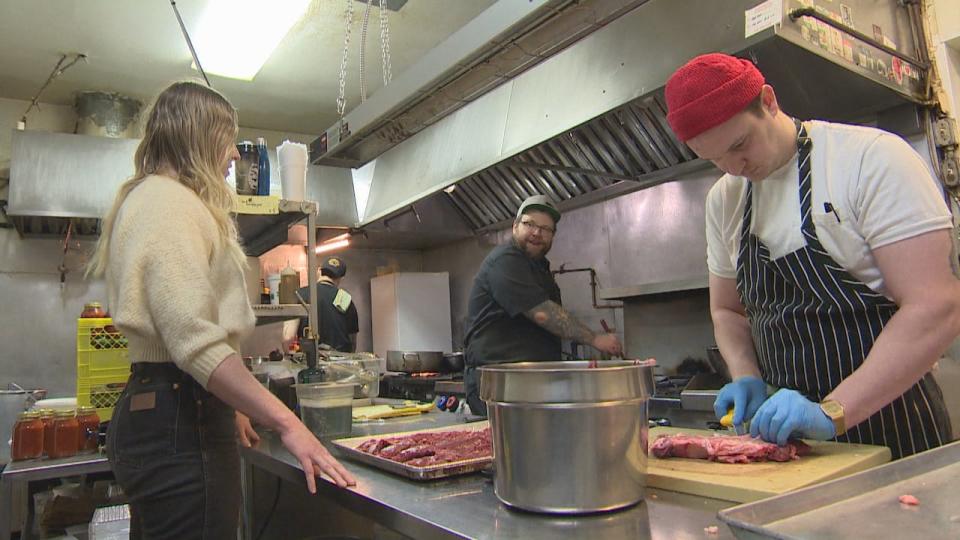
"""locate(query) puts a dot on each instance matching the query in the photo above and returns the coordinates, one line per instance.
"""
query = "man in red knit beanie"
(829, 253)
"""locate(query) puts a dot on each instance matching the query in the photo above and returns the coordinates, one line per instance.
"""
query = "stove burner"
(416, 386)
(426, 374)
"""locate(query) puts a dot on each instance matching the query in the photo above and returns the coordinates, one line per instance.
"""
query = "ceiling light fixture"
(337, 238)
(331, 246)
(236, 37)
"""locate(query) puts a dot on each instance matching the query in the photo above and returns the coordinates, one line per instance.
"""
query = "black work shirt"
(508, 285)
(336, 326)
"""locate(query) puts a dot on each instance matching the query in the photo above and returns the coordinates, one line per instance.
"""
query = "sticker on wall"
(846, 15)
(762, 16)
(848, 49)
(897, 70)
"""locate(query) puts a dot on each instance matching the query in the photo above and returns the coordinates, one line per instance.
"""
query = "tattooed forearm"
(558, 321)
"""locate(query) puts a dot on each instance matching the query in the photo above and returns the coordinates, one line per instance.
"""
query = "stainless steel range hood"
(59, 179)
(589, 123)
(503, 41)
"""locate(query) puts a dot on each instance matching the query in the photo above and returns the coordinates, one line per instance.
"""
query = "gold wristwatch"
(834, 410)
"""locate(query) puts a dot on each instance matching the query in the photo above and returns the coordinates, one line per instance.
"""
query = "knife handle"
(727, 420)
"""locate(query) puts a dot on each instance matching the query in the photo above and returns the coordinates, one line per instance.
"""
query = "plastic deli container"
(326, 408)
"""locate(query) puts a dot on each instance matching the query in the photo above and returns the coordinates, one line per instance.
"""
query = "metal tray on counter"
(441, 470)
(865, 504)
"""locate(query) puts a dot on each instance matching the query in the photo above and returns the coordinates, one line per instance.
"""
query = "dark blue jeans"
(173, 449)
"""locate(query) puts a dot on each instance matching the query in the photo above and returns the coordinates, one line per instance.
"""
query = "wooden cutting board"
(374, 412)
(745, 482)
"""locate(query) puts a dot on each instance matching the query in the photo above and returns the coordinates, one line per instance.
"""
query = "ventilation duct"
(589, 123)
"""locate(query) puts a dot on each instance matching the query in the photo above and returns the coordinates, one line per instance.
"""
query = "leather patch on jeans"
(143, 402)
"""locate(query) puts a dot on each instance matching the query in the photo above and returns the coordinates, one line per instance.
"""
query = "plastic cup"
(326, 408)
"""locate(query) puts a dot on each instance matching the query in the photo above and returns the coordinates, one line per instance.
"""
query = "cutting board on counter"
(375, 412)
(745, 482)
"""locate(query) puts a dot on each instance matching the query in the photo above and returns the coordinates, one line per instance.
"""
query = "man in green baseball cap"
(515, 312)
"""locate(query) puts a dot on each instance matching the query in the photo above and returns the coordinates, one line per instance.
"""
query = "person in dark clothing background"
(336, 313)
(515, 313)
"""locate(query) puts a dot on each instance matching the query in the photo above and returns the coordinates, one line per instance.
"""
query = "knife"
(727, 422)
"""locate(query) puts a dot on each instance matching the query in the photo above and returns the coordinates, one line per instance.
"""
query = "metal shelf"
(654, 288)
(271, 313)
(262, 232)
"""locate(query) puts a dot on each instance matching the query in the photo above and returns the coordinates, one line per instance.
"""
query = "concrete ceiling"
(136, 48)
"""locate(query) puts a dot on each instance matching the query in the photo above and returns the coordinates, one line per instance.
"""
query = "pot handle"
(30, 395)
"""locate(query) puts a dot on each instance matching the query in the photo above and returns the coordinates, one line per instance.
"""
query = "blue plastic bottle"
(263, 178)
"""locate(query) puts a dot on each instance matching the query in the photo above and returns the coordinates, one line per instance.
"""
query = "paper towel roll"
(293, 170)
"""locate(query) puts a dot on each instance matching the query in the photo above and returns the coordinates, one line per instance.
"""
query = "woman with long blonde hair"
(174, 272)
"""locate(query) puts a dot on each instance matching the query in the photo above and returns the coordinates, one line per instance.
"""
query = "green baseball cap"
(541, 203)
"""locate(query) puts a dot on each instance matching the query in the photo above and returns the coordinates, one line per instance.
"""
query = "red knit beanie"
(709, 90)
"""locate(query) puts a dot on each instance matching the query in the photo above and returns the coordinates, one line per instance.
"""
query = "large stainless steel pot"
(568, 438)
(416, 361)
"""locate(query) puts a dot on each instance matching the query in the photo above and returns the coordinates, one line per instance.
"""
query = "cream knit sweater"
(175, 294)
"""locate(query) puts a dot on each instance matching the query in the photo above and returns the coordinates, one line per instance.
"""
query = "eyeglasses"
(545, 230)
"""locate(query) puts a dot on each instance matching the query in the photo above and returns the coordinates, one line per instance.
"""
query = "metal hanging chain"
(363, 48)
(57, 71)
(341, 95)
(186, 36)
(385, 65)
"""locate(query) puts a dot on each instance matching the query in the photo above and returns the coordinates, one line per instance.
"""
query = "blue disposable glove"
(787, 413)
(745, 395)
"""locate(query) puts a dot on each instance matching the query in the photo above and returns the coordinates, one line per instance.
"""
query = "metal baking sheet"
(441, 470)
(864, 505)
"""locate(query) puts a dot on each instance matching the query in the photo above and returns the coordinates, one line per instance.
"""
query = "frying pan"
(416, 361)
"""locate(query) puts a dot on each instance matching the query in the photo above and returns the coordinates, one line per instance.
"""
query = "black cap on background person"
(333, 267)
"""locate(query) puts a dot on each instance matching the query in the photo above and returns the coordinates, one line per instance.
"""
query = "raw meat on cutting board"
(726, 448)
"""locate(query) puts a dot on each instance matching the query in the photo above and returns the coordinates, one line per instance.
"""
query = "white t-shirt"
(879, 187)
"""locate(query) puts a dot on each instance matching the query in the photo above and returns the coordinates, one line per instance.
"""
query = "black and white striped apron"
(813, 324)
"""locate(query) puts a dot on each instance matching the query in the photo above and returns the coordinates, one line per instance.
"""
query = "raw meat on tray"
(425, 449)
(726, 448)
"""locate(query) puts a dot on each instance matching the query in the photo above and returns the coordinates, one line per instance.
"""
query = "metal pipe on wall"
(593, 286)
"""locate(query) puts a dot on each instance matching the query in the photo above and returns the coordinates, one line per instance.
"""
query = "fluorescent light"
(330, 246)
(236, 37)
(337, 238)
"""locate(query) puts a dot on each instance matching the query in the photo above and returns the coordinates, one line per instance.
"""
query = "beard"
(534, 251)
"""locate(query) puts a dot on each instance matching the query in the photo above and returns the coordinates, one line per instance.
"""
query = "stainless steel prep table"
(466, 507)
(41, 469)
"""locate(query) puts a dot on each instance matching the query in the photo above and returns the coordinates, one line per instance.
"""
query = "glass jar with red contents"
(89, 430)
(46, 417)
(66, 434)
(27, 437)
(93, 310)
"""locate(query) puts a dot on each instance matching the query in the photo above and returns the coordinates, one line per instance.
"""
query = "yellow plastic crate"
(103, 365)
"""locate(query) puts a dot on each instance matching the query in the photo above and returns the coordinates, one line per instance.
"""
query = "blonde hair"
(188, 131)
